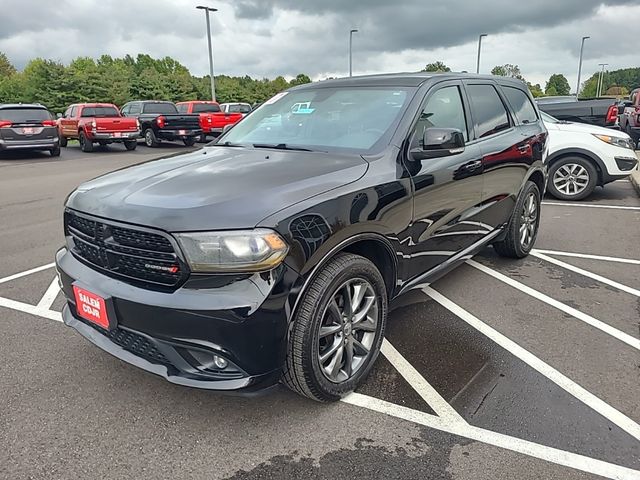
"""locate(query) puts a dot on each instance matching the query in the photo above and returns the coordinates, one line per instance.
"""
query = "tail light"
(612, 114)
(93, 125)
(48, 123)
(137, 124)
(160, 121)
(5, 123)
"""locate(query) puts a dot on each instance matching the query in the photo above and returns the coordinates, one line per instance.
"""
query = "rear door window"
(489, 113)
(205, 108)
(168, 108)
(183, 108)
(99, 112)
(522, 106)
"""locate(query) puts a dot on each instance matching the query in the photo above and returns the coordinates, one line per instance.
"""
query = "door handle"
(476, 164)
(523, 149)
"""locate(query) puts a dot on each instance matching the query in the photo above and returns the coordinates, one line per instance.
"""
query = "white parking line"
(50, 295)
(594, 276)
(32, 309)
(564, 382)
(28, 272)
(590, 205)
(549, 454)
(419, 384)
(586, 256)
(588, 319)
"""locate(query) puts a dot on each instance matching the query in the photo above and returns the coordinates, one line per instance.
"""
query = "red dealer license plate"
(182, 132)
(91, 307)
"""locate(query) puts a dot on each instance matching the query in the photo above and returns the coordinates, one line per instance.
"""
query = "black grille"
(136, 255)
(134, 343)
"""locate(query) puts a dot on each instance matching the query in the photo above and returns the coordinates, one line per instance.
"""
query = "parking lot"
(502, 369)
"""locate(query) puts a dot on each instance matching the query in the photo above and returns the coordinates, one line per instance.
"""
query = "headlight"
(617, 141)
(233, 251)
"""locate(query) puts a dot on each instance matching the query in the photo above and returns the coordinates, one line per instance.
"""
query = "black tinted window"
(25, 115)
(444, 109)
(159, 108)
(99, 112)
(134, 109)
(239, 108)
(182, 108)
(489, 113)
(205, 108)
(522, 106)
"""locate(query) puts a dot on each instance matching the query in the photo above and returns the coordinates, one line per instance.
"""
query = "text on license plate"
(91, 307)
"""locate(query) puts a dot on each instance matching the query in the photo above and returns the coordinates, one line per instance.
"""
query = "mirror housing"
(439, 142)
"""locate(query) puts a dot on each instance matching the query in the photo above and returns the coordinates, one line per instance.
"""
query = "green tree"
(6, 67)
(508, 70)
(300, 79)
(437, 66)
(559, 83)
(551, 91)
(536, 90)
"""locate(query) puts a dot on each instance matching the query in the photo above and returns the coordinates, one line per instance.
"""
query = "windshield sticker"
(275, 98)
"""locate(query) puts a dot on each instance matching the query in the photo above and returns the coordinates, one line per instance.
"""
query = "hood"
(214, 188)
(584, 128)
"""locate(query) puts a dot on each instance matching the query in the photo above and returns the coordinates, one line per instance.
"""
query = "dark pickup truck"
(602, 112)
(161, 121)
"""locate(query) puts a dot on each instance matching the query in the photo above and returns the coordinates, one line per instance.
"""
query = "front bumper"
(46, 144)
(243, 320)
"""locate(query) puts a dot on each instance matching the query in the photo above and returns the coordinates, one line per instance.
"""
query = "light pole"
(600, 79)
(351, 32)
(479, 47)
(580, 65)
(213, 85)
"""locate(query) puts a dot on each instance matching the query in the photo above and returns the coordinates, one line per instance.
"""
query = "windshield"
(159, 108)
(205, 108)
(100, 112)
(323, 118)
(25, 115)
(548, 118)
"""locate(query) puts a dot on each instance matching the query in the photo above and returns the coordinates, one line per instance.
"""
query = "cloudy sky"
(285, 37)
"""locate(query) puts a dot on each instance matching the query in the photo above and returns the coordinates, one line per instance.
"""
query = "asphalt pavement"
(523, 369)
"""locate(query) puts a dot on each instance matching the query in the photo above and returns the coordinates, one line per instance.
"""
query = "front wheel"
(522, 229)
(338, 329)
(572, 178)
(189, 141)
(55, 152)
(130, 144)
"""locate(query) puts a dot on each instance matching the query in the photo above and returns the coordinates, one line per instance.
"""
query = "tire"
(525, 217)
(130, 144)
(305, 372)
(580, 178)
(634, 137)
(85, 145)
(55, 152)
(190, 141)
(63, 141)
(150, 139)
(202, 138)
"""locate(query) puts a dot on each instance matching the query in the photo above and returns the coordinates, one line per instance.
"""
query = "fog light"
(220, 362)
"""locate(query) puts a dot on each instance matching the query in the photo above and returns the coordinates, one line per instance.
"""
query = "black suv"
(28, 127)
(272, 255)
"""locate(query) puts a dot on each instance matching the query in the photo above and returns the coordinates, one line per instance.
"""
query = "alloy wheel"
(529, 221)
(147, 139)
(348, 330)
(571, 179)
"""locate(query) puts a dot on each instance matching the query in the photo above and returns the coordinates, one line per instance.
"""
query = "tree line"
(617, 82)
(119, 80)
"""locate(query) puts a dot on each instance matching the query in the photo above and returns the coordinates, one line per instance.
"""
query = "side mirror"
(58, 115)
(439, 142)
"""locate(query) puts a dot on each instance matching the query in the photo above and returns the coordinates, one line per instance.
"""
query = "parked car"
(273, 254)
(243, 108)
(583, 156)
(161, 121)
(28, 127)
(602, 112)
(101, 123)
(630, 116)
(212, 118)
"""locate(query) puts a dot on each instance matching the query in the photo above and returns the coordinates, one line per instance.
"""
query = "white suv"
(583, 156)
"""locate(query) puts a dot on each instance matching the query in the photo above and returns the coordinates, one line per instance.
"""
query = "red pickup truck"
(630, 117)
(97, 123)
(212, 118)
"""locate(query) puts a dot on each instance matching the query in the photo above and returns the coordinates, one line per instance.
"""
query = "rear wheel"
(338, 329)
(150, 139)
(202, 138)
(572, 178)
(63, 141)
(85, 145)
(55, 152)
(130, 144)
(522, 229)
(189, 141)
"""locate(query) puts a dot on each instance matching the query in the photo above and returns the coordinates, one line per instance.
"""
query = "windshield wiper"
(281, 146)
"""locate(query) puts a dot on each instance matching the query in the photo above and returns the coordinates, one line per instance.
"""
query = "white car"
(243, 108)
(583, 156)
